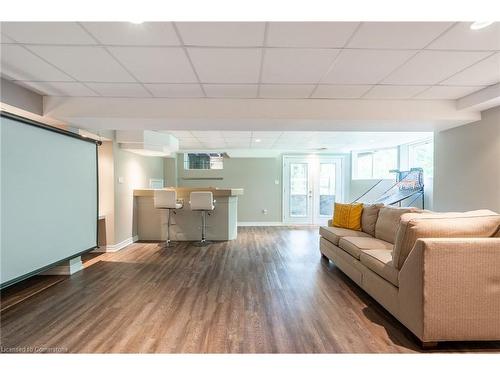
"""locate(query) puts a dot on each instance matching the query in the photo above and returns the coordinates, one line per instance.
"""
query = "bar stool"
(167, 200)
(202, 201)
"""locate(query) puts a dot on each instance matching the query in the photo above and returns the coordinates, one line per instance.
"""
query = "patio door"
(311, 185)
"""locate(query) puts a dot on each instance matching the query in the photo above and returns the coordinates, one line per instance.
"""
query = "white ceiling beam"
(481, 100)
(258, 114)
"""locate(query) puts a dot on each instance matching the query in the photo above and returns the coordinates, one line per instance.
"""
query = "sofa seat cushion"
(355, 245)
(334, 234)
(380, 262)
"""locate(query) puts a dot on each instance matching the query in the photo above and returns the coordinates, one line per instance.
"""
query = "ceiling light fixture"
(137, 22)
(478, 25)
(257, 140)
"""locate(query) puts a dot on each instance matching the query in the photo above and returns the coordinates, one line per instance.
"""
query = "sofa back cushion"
(388, 221)
(369, 217)
(480, 223)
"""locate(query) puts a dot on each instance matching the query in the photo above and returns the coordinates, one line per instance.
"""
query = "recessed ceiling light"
(257, 140)
(478, 25)
(137, 22)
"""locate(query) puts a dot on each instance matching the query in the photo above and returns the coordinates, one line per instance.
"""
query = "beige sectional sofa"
(437, 273)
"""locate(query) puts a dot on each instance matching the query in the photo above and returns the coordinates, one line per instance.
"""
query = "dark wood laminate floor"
(266, 292)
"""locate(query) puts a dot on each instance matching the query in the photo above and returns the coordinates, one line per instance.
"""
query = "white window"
(421, 155)
(203, 161)
(374, 164)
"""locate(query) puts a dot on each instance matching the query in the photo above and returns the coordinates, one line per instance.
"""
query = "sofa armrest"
(450, 289)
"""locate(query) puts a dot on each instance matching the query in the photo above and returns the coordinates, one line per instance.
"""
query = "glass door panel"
(299, 190)
(312, 184)
(326, 188)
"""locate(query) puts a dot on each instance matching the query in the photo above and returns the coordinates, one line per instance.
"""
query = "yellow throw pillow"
(347, 215)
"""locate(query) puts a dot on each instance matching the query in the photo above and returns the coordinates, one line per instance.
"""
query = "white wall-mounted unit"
(147, 142)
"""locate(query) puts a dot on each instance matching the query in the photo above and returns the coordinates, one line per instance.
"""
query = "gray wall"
(467, 165)
(256, 175)
(136, 170)
(20, 97)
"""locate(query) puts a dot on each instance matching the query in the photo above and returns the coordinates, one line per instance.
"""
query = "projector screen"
(49, 197)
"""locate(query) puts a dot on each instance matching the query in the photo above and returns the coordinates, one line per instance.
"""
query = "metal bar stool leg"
(168, 242)
(203, 242)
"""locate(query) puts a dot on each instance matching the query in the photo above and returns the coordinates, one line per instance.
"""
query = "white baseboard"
(260, 223)
(116, 247)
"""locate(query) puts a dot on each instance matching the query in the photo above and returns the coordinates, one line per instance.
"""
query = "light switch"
(121, 180)
(276, 182)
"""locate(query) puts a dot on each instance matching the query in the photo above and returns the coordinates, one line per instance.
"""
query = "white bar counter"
(186, 224)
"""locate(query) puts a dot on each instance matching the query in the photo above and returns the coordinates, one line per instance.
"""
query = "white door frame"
(313, 162)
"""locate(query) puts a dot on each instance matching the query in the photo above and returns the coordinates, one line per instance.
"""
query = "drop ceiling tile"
(365, 66)
(20, 64)
(340, 91)
(127, 33)
(189, 144)
(231, 91)
(186, 139)
(397, 35)
(326, 136)
(296, 65)
(156, 64)
(393, 92)
(262, 144)
(91, 64)
(46, 33)
(214, 145)
(59, 88)
(129, 90)
(290, 145)
(299, 134)
(239, 141)
(309, 34)
(211, 134)
(295, 137)
(175, 90)
(223, 65)
(237, 144)
(181, 133)
(263, 141)
(266, 134)
(447, 92)
(236, 134)
(222, 34)
(432, 67)
(484, 73)
(286, 91)
(461, 37)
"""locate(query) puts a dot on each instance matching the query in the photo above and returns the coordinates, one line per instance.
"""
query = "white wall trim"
(116, 247)
(260, 223)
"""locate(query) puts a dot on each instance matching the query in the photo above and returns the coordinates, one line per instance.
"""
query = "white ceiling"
(338, 60)
(292, 140)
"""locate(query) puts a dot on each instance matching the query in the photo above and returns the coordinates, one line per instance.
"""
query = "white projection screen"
(49, 197)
